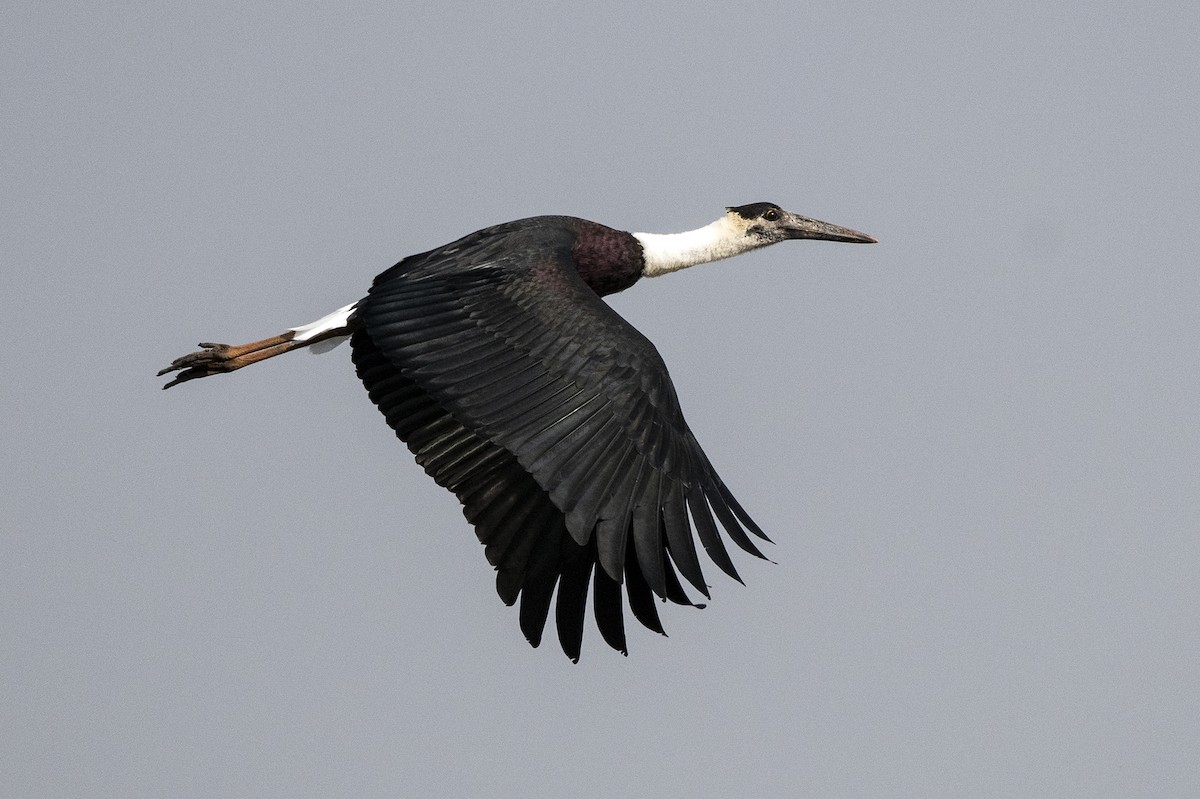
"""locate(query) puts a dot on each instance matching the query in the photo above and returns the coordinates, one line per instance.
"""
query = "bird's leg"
(220, 358)
(216, 359)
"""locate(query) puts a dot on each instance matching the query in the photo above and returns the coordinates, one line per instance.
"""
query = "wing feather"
(606, 603)
(570, 609)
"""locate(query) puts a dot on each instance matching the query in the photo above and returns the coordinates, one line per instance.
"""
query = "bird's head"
(767, 223)
(741, 229)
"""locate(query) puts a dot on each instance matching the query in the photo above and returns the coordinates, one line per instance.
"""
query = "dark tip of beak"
(852, 237)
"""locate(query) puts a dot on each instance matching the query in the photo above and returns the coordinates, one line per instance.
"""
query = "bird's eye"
(771, 214)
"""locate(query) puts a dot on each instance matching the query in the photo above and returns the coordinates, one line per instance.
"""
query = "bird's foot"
(215, 359)
(211, 360)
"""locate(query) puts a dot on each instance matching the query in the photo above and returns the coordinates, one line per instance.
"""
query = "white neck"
(669, 252)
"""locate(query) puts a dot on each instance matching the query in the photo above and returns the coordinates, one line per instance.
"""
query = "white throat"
(669, 252)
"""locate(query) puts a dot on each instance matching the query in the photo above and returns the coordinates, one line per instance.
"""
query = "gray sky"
(975, 443)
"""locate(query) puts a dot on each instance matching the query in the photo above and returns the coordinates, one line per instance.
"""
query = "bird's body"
(551, 418)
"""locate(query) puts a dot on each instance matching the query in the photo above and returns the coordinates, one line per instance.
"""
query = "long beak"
(801, 227)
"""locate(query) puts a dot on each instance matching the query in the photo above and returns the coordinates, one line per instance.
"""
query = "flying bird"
(551, 418)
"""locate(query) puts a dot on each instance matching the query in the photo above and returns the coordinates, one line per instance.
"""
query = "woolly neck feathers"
(670, 252)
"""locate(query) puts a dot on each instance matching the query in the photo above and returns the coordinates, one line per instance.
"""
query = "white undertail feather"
(326, 344)
(669, 252)
(338, 320)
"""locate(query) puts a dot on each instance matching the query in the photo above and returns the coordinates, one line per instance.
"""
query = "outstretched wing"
(555, 423)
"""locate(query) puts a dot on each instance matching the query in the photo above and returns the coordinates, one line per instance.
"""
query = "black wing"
(554, 422)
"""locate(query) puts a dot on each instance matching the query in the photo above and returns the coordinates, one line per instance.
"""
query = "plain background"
(975, 443)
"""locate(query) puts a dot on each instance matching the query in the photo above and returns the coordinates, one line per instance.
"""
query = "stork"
(551, 418)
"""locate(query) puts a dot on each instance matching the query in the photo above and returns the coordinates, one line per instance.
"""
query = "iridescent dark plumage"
(551, 419)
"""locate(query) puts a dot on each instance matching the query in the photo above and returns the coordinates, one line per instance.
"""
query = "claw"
(183, 378)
